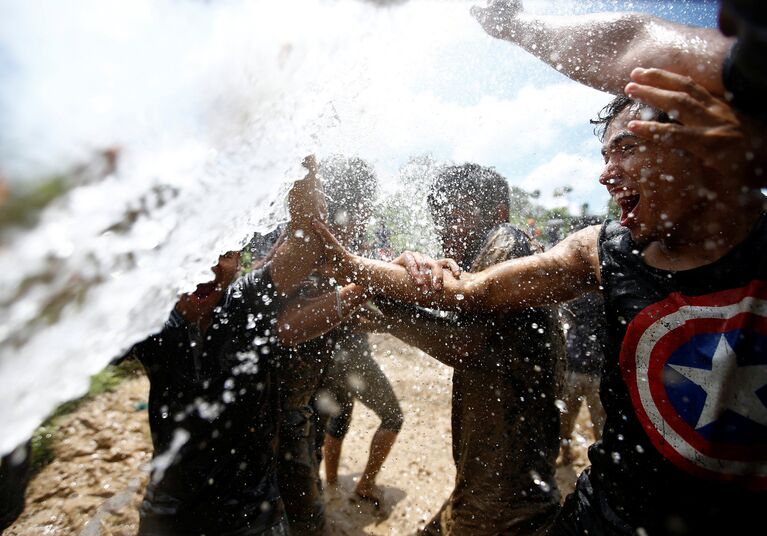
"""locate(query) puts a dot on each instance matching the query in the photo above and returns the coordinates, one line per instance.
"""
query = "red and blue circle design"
(696, 369)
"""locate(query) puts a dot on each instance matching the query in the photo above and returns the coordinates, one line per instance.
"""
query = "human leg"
(337, 425)
(572, 396)
(380, 446)
(594, 404)
(375, 391)
(298, 474)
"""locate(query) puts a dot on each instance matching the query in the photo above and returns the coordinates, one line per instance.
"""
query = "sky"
(417, 78)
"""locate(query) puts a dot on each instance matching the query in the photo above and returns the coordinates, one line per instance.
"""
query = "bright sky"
(418, 78)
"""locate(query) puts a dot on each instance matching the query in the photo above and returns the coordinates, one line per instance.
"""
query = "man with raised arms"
(684, 276)
(214, 371)
(506, 370)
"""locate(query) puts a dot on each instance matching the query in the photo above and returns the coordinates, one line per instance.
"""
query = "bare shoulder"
(580, 251)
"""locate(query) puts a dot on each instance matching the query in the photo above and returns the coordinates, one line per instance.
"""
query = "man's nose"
(609, 175)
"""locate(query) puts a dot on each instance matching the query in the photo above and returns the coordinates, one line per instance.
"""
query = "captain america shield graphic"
(696, 369)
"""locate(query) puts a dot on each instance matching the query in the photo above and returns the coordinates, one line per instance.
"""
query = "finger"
(424, 270)
(437, 275)
(678, 105)
(451, 265)
(678, 136)
(326, 236)
(412, 268)
(310, 163)
(663, 79)
(419, 261)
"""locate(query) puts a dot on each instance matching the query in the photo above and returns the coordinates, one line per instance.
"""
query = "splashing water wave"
(212, 107)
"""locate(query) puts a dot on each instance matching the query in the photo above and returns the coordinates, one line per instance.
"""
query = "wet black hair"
(469, 182)
(615, 107)
(350, 185)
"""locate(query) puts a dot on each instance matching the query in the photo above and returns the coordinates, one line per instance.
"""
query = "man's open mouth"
(628, 201)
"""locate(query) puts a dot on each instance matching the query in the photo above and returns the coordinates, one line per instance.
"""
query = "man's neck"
(473, 249)
(706, 238)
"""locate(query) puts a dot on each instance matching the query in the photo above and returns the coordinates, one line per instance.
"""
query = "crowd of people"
(661, 310)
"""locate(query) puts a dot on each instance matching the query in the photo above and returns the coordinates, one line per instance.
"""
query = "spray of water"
(208, 108)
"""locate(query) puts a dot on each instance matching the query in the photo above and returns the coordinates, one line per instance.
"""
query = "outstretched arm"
(601, 49)
(451, 341)
(304, 319)
(565, 271)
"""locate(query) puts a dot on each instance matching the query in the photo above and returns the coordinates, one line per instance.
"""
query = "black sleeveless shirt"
(684, 386)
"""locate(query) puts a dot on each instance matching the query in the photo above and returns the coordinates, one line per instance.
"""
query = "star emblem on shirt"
(728, 386)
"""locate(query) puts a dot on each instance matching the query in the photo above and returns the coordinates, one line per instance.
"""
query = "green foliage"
(23, 207)
(613, 210)
(246, 260)
(42, 446)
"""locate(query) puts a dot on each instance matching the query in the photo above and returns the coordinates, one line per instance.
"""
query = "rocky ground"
(96, 482)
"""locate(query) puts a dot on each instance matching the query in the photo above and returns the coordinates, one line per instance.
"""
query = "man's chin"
(639, 235)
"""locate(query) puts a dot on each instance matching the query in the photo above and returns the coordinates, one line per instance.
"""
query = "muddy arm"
(304, 319)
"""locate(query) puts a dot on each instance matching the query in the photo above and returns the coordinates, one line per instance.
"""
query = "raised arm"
(563, 272)
(601, 49)
(299, 251)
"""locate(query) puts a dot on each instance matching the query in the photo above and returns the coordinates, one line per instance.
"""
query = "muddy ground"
(96, 482)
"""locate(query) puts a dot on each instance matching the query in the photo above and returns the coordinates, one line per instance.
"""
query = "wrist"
(348, 268)
(518, 27)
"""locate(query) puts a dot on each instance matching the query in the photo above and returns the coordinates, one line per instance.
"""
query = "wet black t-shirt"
(213, 415)
(585, 317)
(684, 386)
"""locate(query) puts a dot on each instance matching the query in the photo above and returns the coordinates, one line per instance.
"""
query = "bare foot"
(370, 494)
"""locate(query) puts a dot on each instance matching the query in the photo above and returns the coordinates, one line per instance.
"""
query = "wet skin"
(658, 189)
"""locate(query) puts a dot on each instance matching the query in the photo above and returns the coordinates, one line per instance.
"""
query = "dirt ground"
(96, 482)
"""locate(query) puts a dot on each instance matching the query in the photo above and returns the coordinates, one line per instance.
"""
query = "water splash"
(211, 107)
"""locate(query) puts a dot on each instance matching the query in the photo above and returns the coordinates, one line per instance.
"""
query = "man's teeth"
(624, 193)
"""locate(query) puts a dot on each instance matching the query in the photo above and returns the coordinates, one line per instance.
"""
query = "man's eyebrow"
(618, 139)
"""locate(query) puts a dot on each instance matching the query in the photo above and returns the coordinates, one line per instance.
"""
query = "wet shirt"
(684, 386)
(586, 332)
(306, 363)
(504, 419)
(213, 415)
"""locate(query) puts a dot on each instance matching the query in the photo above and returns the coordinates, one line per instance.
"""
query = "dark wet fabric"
(298, 473)
(638, 464)
(14, 477)
(743, 72)
(504, 418)
(587, 511)
(213, 406)
(301, 374)
(159, 526)
(586, 333)
(354, 374)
